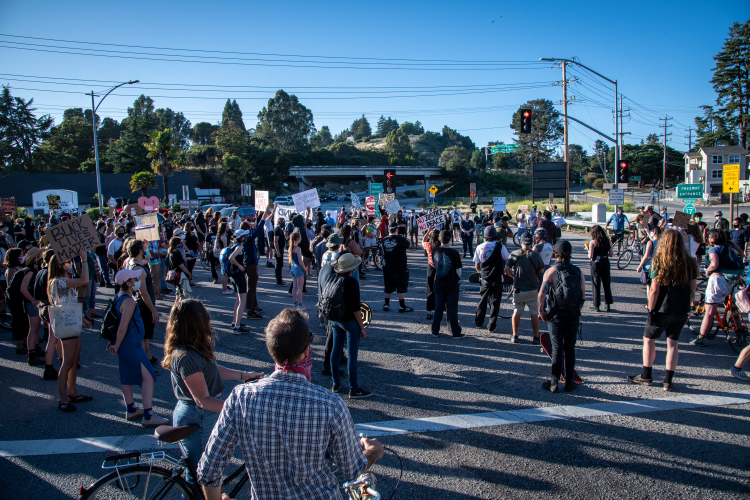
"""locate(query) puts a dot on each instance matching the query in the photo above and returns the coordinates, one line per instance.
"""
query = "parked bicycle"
(731, 322)
(634, 249)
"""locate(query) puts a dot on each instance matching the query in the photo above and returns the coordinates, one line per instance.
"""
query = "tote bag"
(66, 318)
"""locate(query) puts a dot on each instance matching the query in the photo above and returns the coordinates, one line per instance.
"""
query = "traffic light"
(525, 121)
(389, 183)
(623, 176)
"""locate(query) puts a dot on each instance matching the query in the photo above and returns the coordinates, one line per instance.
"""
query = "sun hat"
(125, 275)
(178, 231)
(33, 254)
(334, 240)
(346, 263)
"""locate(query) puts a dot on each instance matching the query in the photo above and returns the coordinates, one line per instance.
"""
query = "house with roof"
(706, 166)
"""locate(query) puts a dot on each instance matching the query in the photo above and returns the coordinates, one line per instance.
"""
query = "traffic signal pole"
(565, 138)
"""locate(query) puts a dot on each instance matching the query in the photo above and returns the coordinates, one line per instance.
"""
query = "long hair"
(345, 232)
(673, 264)
(12, 256)
(188, 327)
(222, 229)
(600, 237)
(174, 243)
(694, 230)
(55, 270)
(293, 239)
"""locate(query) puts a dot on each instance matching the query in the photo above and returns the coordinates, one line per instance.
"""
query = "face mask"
(68, 268)
(120, 235)
(304, 367)
(136, 285)
(146, 253)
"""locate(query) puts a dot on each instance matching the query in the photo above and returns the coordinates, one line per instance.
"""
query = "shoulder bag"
(66, 318)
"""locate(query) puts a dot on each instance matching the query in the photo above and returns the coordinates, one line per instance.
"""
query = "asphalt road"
(533, 446)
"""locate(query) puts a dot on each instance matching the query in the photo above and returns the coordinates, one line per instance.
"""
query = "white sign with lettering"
(306, 199)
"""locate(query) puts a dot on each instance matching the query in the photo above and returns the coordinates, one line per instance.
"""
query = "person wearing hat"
(395, 269)
(135, 367)
(350, 329)
(563, 321)
(333, 243)
(448, 266)
(526, 267)
(489, 260)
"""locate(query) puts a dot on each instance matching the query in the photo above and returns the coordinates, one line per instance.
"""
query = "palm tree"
(143, 181)
(164, 155)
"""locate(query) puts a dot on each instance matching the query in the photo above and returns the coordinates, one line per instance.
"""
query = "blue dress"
(131, 352)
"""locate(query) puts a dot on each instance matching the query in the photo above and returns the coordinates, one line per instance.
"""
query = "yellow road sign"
(434, 190)
(731, 178)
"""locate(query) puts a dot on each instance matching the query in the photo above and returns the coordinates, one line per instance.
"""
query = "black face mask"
(120, 235)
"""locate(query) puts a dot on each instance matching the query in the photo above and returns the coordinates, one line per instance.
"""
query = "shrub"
(599, 183)
(590, 178)
(93, 213)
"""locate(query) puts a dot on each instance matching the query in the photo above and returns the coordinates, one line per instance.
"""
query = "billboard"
(68, 199)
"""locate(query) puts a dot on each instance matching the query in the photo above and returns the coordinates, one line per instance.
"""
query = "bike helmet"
(540, 233)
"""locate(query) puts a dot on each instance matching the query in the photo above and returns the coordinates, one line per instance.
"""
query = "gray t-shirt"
(187, 363)
(527, 270)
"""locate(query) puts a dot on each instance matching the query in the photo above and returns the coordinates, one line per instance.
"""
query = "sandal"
(67, 407)
(79, 399)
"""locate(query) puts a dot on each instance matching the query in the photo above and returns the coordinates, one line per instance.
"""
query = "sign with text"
(472, 189)
(67, 237)
(111, 203)
(690, 190)
(431, 219)
(132, 209)
(147, 227)
(190, 204)
(386, 197)
(392, 206)
(375, 189)
(732, 178)
(498, 203)
(245, 191)
(523, 208)
(306, 199)
(355, 202)
(149, 204)
(261, 200)
(689, 209)
(681, 219)
(8, 205)
(53, 202)
(370, 206)
(616, 196)
(283, 212)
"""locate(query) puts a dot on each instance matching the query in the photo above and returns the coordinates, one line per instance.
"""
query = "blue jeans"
(449, 302)
(104, 263)
(89, 302)
(195, 443)
(350, 332)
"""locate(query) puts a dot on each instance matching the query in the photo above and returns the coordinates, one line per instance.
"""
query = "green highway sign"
(689, 209)
(505, 148)
(690, 191)
(689, 201)
(635, 178)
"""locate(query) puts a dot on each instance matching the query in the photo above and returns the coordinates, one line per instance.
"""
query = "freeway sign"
(690, 190)
(689, 201)
(689, 209)
(433, 190)
(616, 196)
(635, 178)
(505, 148)
(732, 178)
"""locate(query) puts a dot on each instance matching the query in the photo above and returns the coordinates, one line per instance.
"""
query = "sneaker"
(154, 361)
(739, 374)
(385, 308)
(336, 388)
(458, 335)
(154, 421)
(636, 379)
(359, 394)
(227, 292)
(435, 335)
(281, 284)
(135, 415)
(535, 341)
(668, 386)
(22, 351)
(34, 360)
(405, 309)
(215, 281)
(49, 374)
(239, 330)
(429, 315)
(305, 292)
(254, 316)
(698, 341)
(514, 339)
(492, 328)
(548, 386)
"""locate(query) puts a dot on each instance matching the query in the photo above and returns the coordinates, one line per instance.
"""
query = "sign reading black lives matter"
(67, 237)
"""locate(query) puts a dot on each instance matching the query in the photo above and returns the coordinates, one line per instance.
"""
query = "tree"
(546, 133)
(478, 160)
(711, 130)
(202, 133)
(178, 123)
(398, 146)
(129, 154)
(380, 127)
(731, 80)
(231, 139)
(67, 147)
(232, 113)
(412, 128)
(20, 131)
(143, 181)
(577, 160)
(451, 135)
(361, 128)
(322, 139)
(234, 171)
(286, 123)
(164, 154)
(652, 139)
(598, 160)
(455, 160)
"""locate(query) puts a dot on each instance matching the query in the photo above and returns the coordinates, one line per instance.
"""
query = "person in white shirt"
(542, 247)
(533, 216)
(269, 238)
(236, 220)
(456, 216)
(489, 260)
(521, 222)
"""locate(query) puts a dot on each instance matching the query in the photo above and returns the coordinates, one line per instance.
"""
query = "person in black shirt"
(401, 221)
(467, 235)
(201, 228)
(395, 270)
(673, 274)
(192, 244)
(279, 242)
(473, 207)
(28, 229)
(350, 330)
(299, 222)
(447, 277)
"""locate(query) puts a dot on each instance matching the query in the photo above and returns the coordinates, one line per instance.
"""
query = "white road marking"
(125, 444)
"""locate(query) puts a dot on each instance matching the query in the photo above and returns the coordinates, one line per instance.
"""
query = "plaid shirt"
(284, 425)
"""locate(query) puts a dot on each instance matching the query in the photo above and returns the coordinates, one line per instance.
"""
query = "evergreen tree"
(323, 139)
(546, 133)
(398, 146)
(20, 131)
(177, 122)
(129, 154)
(711, 130)
(361, 128)
(731, 80)
(478, 161)
(202, 133)
(286, 123)
(380, 127)
(232, 113)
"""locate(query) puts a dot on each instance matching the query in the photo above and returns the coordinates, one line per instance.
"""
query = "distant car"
(244, 212)
(215, 206)
(333, 196)
(348, 196)
(284, 200)
(323, 198)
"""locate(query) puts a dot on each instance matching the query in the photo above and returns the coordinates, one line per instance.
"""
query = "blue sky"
(660, 53)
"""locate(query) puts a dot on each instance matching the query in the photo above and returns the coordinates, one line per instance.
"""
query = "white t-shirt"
(484, 250)
(692, 246)
(522, 222)
(545, 252)
(456, 216)
(114, 246)
(532, 216)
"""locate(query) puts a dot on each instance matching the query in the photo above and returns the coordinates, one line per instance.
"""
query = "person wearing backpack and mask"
(144, 293)
(236, 272)
(341, 304)
(564, 288)
(489, 259)
(447, 281)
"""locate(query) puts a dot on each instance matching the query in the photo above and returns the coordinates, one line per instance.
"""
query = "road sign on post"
(472, 189)
(690, 191)
(616, 196)
(689, 209)
(433, 190)
(732, 178)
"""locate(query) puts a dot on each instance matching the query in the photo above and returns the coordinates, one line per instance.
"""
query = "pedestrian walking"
(648, 254)
(297, 270)
(447, 278)
(525, 266)
(237, 272)
(600, 250)
(489, 259)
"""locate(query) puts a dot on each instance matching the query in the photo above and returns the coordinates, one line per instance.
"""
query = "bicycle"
(731, 322)
(626, 256)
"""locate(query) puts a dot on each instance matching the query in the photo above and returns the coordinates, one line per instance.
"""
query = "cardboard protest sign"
(283, 212)
(392, 207)
(524, 208)
(261, 200)
(306, 199)
(499, 203)
(53, 202)
(8, 205)
(680, 219)
(386, 197)
(132, 209)
(148, 204)
(147, 227)
(431, 219)
(355, 202)
(67, 237)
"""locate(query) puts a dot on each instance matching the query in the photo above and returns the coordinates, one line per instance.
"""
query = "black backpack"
(110, 323)
(14, 287)
(332, 299)
(567, 298)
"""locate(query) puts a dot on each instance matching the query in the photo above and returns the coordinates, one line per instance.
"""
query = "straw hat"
(347, 262)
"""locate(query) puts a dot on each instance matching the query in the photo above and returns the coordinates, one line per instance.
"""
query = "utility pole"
(565, 137)
(664, 167)
(689, 138)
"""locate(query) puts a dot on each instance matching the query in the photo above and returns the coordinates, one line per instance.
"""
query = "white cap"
(125, 275)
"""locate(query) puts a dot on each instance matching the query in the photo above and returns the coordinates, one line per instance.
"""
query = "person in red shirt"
(383, 225)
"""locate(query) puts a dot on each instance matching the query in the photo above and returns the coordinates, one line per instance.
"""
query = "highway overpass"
(305, 176)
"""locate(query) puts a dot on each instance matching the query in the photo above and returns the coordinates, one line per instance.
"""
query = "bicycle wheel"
(377, 258)
(624, 260)
(139, 482)
(630, 238)
(737, 332)
(516, 239)
(506, 302)
(205, 262)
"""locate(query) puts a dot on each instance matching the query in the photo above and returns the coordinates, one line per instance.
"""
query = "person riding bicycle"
(619, 222)
(286, 425)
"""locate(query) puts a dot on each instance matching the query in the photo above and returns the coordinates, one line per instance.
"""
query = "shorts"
(617, 237)
(414, 231)
(672, 324)
(528, 298)
(240, 281)
(371, 242)
(457, 226)
(717, 289)
(201, 238)
(297, 271)
(31, 310)
(148, 322)
(393, 283)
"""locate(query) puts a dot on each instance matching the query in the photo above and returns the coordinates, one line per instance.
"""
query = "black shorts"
(148, 322)
(201, 238)
(396, 283)
(457, 225)
(617, 237)
(672, 324)
(240, 280)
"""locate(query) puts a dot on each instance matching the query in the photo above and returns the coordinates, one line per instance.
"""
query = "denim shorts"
(297, 271)
(31, 311)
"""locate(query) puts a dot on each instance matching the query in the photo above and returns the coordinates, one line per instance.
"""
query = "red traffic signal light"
(623, 176)
(525, 121)
(389, 186)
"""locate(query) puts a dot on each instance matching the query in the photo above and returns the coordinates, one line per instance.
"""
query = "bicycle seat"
(170, 434)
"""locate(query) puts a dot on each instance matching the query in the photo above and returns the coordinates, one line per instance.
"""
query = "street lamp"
(96, 145)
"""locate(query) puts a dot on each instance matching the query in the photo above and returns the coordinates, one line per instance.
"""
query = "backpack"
(729, 260)
(14, 287)
(226, 267)
(568, 295)
(217, 248)
(40, 286)
(110, 322)
(331, 303)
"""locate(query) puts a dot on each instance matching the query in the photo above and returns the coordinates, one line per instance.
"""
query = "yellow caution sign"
(731, 178)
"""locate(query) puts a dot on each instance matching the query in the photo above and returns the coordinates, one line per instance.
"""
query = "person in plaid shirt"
(285, 425)
(545, 222)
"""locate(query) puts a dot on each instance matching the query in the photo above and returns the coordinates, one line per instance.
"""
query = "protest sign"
(132, 209)
(431, 219)
(148, 204)
(67, 237)
(386, 197)
(306, 199)
(355, 202)
(392, 207)
(680, 219)
(111, 203)
(8, 205)
(370, 206)
(147, 227)
(53, 202)
(524, 208)
(283, 212)
(190, 205)
(261, 200)
(499, 203)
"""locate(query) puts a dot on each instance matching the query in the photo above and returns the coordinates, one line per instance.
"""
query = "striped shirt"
(284, 426)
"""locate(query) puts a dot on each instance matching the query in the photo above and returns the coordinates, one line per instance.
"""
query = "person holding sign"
(145, 295)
